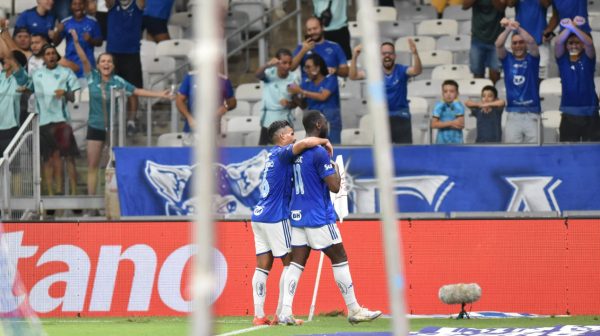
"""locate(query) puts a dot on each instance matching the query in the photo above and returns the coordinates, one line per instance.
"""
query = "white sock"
(289, 288)
(341, 274)
(259, 291)
(281, 290)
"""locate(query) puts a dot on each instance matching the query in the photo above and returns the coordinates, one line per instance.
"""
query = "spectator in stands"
(12, 77)
(185, 100)
(521, 73)
(277, 101)
(98, 9)
(123, 42)
(531, 14)
(440, 5)
(331, 52)
(36, 61)
(576, 58)
(54, 85)
(569, 9)
(488, 112)
(485, 28)
(88, 31)
(320, 92)
(62, 9)
(22, 39)
(156, 18)
(334, 19)
(448, 116)
(39, 19)
(99, 83)
(396, 78)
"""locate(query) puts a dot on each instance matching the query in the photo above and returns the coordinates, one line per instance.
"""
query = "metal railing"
(20, 172)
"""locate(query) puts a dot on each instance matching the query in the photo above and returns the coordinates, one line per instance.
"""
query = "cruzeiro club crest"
(237, 183)
(260, 289)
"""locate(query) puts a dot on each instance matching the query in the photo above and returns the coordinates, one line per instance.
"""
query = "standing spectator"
(98, 9)
(123, 42)
(320, 92)
(22, 39)
(334, 18)
(185, 100)
(156, 18)
(396, 78)
(521, 73)
(489, 115)
(54, 85)
(88, 31)
(277, 101)
(330, 51)
(485, 28)
(569, 9)
(448, 116)
(314, 224)
(12, 77)
(99, 83)
(61, 9)
(531, 14)
(39, 19)
(576, 58)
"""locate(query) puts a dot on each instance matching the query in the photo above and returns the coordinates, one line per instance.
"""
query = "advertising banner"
(547, 266)
(157, 181)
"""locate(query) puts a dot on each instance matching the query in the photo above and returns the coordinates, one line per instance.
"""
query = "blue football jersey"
(521, 81)
(311, 205)
(578, 89)
(275, 188)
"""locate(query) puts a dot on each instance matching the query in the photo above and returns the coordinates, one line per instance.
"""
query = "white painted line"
(243, 331)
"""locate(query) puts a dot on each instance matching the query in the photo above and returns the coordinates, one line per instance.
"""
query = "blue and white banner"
(157, 181)
(570, 330)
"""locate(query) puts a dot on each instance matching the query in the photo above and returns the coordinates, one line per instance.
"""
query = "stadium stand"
(437, 27)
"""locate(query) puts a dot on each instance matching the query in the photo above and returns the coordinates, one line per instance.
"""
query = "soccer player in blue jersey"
(314, 225)
(330, 51)
(576, 58)
(396, 78)
(270, 219)
(521, 73)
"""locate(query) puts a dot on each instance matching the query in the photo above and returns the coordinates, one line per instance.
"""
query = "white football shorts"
(317, 238)
(273, 237)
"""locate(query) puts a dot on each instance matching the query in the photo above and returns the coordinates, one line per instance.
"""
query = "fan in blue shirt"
(320, 91)
(448, 115)
(314, 224)
(270, 218)
(331, 52)
(156, 17)
(576, 58)
(569, 9)
(38, 20)
(396, 78)
(88, 31)
(521, 76)
(532, 16)
(185, 99)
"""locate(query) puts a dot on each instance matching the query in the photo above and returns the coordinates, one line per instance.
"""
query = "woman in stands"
(100, 81)
(320, 91)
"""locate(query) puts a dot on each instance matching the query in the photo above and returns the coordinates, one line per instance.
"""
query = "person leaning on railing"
(100, 81)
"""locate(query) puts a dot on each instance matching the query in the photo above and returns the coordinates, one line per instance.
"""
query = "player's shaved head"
(315, 124)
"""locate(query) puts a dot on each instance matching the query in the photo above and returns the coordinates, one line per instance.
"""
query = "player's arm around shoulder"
(311, 142)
